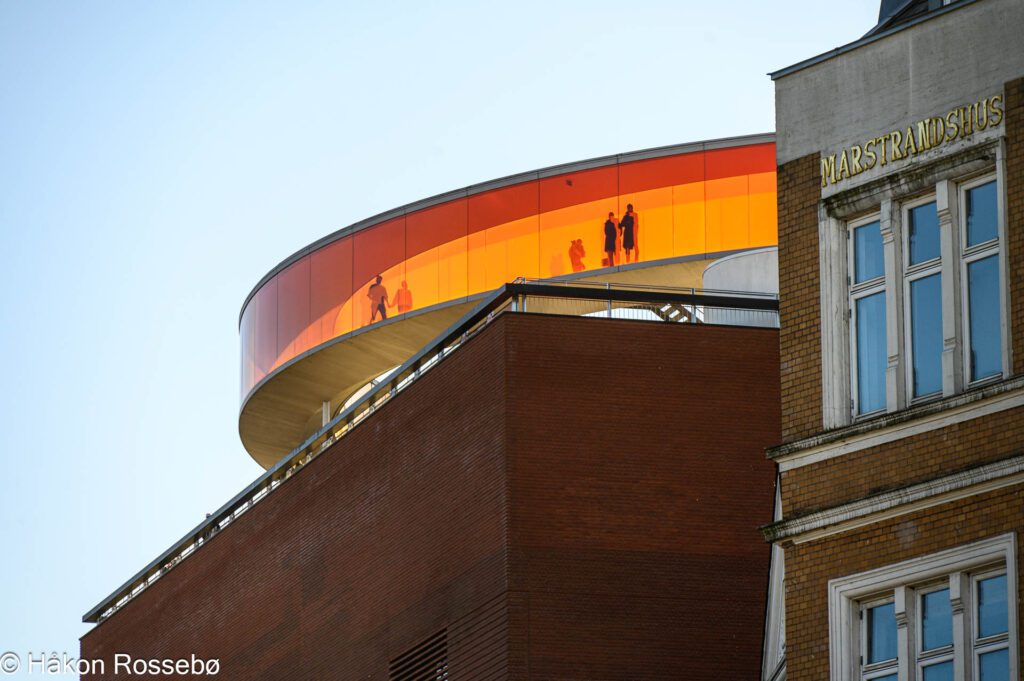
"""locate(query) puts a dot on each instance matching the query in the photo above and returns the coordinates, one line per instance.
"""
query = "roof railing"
(560, 297)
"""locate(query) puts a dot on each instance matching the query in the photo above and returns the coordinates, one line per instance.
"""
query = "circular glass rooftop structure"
(319, 326)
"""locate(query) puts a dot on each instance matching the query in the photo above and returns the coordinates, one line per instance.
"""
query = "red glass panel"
(292, 310)
(639, 176)
(573, 189)
(498, 206)
(735, 161)
(265, 347)
(330, 288)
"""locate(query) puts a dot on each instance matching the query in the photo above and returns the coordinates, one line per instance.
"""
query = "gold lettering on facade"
(855, 154)
(996, 108)
(828, 170)
(896, 142)
(923, 135)
(870, 157)
(909, 145)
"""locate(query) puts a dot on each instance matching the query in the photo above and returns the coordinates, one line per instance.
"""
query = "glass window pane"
(995, 666)
(936, 620)
(943, 671)
(982, 221)
(881, 633)
(992, 606)
(887, 677)
(983, 299)
(926, 334)
(871, 353)
(924, 233)
(868, 261)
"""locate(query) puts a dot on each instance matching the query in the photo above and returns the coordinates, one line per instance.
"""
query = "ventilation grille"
(426, 662)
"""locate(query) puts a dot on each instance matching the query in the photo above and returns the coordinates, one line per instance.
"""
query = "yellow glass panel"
(476, 264)
(452, 269)
(689, 232)
(728, 214)
(653, 234)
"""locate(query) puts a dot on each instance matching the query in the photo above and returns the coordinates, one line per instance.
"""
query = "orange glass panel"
(330, 288)
(378, 250)
(688, 223)
(428, 228)
(575, 207)
(428, 235)
(653, 218)
(728, 214)
(452, 270)
(498, 206)
(764, 228)
(640, 176)
(292, 311)
(686, 204)
(735, 161)
(265, 347)
(559, 228)
(572, 189)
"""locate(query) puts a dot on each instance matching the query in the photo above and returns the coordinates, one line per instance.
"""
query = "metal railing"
(572, 298)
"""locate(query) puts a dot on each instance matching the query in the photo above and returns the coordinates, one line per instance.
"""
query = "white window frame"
(858, 291)
(839, 214)
(959, 567)
(912, 273)
(967, 255)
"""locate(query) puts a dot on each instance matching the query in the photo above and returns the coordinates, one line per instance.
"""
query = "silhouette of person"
(378, 296)
(610, 237)
(576, 255)
(628, 225)
(403, 299)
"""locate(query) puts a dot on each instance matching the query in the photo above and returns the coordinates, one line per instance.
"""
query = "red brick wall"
(799, 187)
(563, 493)
(903, 462)
(1014, 91)
(636, 492)
(810, 566)
(380, 542)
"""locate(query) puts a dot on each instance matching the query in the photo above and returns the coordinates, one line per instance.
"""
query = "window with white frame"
(941, 617)
(934, 262)
(867, 316)
(979, 235)
(922, 293)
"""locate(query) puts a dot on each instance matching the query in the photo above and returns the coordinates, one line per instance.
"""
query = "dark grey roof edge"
(870, 37)
(588, 164)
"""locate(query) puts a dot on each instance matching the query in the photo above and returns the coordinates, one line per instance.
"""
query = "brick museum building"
(519, 430)
(901, 270)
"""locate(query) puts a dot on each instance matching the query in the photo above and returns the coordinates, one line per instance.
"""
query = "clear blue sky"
(157, 158)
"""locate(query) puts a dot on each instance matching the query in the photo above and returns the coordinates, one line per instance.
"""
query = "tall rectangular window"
(923, 272)
(868, 317)
(946, 615)
(981, 277)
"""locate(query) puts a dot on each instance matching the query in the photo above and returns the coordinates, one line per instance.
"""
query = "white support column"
(894, 384)
(904, 632)
(325, 413)
(959, 585)
(952, 361)
(835, 331)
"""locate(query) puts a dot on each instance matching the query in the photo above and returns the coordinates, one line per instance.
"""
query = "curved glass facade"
(547, 225)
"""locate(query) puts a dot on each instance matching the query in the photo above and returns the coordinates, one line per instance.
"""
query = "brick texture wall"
(799, 190)
(914, 459)
(810, 566)
(396, 532)
(1014, 91)
(573, 498)
(636, 492)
